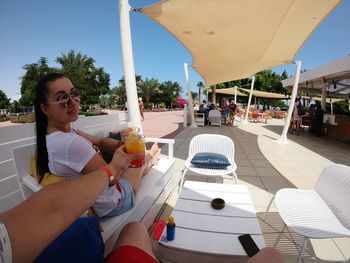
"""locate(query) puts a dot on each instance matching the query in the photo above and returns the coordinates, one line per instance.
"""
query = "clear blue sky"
(36, 28)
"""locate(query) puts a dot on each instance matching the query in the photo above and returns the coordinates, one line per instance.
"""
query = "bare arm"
(39, 220)
(108, 145)
(36, 222)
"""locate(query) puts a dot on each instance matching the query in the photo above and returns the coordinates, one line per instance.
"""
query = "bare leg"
(133, 175)
(151, 158)
(135, 234)
(291, 127)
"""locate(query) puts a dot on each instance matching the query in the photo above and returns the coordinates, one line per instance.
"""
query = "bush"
(92, 113)
(3, 117)
(22, 117)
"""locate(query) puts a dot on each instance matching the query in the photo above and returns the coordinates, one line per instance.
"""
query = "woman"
(296, 118)
(68, 152)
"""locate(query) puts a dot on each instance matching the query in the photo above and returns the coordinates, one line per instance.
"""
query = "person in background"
(233, 111)
(317, 124)
(203, 107)
(311, 111)
(296, 117)
(141, 108)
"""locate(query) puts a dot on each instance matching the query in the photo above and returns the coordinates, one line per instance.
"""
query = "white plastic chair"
(323, 212)
(214, 143)
(214, 117)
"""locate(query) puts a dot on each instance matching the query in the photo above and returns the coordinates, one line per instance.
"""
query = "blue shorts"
(80, 242)
(127, 201)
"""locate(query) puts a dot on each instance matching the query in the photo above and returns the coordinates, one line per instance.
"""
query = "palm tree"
(72, 60)
(138, 79)
(200, 85)
(213, 94)
(89, 80)
(118, 96)
(168, 92)
(148, 88)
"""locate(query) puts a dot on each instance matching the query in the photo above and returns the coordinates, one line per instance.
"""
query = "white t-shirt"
(68, 154)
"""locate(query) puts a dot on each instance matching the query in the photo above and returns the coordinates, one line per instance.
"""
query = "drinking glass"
(134, 143)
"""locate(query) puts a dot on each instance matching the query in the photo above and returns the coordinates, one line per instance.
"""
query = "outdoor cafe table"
(205, 233)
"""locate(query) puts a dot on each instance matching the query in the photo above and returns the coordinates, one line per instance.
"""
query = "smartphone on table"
(249, 245)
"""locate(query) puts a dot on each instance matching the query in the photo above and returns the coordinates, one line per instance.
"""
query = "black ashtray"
(218, 203)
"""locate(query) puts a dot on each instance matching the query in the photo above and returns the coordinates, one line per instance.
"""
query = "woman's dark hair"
(41, 93)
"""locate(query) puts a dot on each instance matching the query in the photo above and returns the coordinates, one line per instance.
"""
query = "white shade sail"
(230, 91)
(328, 100)
(234, 39)
(268, 95)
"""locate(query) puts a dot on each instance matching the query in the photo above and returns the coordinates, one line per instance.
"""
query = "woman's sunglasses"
(65, 98)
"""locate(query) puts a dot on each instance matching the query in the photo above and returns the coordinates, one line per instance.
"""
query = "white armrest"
(170, 142)
(31, 183)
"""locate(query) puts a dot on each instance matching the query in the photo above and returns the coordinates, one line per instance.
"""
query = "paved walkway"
(266, 166)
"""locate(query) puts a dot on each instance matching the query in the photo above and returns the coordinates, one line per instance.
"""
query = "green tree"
(34, 72)
(138, 80)
(91, 82)
(169, 91)
(4, 101)
(15, 107)
(104, 101)
(269, 81)
(118, 96)
(148, 88)
(194, 95)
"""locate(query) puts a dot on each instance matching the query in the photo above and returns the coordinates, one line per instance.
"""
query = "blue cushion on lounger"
(210, 160)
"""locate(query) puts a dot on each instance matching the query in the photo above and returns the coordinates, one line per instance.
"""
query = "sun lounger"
(155, 188)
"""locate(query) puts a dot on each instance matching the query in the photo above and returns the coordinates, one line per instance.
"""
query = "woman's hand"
(120, 162)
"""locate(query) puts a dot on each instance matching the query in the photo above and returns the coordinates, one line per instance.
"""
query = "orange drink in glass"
(135, 143)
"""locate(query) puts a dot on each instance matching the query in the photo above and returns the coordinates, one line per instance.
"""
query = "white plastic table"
(205, 233)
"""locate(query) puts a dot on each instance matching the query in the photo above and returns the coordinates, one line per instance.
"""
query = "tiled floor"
(266, 166)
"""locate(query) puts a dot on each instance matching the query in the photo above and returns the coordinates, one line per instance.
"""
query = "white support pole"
(331, 105)
(185, 116)
(249, 100)
(190, 104)
(128, 63)
(283, 139)
(236, 95)
(324, 96)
